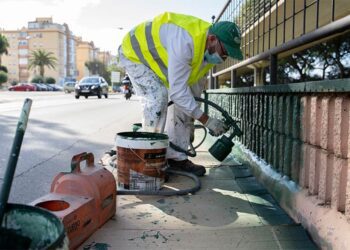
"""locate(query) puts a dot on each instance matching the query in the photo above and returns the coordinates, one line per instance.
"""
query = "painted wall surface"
(304, 137)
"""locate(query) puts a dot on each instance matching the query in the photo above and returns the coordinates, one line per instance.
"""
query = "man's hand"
(216, 126)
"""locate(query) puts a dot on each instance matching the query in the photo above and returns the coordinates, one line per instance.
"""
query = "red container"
(91, 181)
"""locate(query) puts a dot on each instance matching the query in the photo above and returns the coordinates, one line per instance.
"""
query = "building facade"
(40, 34)
(274, 30)
(86, 52)
(70, 51)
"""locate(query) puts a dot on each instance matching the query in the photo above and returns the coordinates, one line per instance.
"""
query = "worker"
(167, 58)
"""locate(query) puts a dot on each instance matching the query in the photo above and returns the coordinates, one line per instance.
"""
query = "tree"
(4, 44)
(3, 68)
(96, 67)
(41, 58)
(3, 77)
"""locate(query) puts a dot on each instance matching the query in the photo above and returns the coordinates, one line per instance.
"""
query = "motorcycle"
(127, 87)
(128, 94)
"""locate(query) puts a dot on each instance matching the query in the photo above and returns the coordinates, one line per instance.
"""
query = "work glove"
(216, 127)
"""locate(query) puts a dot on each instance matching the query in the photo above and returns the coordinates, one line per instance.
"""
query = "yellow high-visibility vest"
(143, 45)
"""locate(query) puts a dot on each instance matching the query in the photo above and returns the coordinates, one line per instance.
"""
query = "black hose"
(167, 192)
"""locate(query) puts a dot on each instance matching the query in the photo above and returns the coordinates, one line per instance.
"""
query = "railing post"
(233, 78)
(273, 69)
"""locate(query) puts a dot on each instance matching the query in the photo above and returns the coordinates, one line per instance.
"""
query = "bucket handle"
(76, 159)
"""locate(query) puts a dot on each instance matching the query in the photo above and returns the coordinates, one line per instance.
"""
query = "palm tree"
(4, 44)
(41, 58)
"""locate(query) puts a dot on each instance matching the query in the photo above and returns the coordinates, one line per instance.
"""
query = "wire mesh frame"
(248, 13)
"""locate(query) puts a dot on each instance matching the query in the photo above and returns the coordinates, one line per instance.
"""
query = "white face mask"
(214, 58)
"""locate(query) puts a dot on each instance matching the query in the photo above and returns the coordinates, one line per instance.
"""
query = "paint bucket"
(141, 160)
(43, 229)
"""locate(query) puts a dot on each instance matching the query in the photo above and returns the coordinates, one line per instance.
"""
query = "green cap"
(228, 33)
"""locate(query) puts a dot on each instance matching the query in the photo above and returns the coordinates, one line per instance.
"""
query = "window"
(23, 52)
(23, 61)
(23, 34)
(22, 42)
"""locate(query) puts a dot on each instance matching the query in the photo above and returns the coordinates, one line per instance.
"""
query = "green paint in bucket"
(136, 127)
(43, 228)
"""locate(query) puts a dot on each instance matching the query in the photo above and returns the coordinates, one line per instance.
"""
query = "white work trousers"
(154, 102)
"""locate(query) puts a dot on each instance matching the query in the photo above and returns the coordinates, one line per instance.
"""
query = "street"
(59, 127)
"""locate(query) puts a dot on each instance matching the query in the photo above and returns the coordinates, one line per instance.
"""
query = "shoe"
(187, 166)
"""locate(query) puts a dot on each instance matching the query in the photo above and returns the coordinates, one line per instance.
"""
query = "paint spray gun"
(223, 146)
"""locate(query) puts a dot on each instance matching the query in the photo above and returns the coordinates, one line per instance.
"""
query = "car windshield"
(90, 80)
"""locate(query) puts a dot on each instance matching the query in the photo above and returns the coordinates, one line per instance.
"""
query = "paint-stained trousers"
(154, 102)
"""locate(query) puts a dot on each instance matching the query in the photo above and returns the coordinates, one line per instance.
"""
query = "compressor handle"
(77, 159)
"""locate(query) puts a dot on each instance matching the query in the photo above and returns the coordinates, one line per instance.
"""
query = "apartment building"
(86, 52)
(71, 51)
(105, 57)
(42, 33)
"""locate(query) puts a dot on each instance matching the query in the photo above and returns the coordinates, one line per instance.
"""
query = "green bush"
(3, 77)
(37, 79)
(50, 80)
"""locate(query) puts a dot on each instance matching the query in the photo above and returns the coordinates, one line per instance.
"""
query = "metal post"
(233, 78)
(216, 82)
(273, 69)
(211, 80)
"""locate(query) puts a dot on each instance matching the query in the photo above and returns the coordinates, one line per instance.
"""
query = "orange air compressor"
(91, 181)
(84, 198)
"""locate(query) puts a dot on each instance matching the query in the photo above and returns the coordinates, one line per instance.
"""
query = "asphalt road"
(59, 127)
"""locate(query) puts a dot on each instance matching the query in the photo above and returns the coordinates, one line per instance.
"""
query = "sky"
(105, 22)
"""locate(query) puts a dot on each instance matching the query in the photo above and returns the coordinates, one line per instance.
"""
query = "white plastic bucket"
(141, 158)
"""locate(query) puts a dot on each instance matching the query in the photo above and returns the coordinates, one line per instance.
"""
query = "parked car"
(23, 87)
(69, 87)
(91, 86)
(57, 87)
(49, 87)
(38, 87)
(41, 87)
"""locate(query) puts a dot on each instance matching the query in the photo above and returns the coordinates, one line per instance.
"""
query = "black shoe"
(187, 166)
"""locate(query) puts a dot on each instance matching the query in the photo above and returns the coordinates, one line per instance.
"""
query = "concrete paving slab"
(218, 208)
(234, 238)
(241, 171)
(250, 185)
(231, 211)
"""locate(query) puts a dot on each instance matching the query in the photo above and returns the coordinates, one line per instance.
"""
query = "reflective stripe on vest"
(153, 50)
(143, 45)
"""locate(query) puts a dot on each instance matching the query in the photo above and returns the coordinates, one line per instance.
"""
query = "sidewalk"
(231, 211)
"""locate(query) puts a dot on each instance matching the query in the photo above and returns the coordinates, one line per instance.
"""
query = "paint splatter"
(97, 246)
(157, 235)
(161, 201)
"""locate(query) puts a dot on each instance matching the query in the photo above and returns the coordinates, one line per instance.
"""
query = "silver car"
(68, 87)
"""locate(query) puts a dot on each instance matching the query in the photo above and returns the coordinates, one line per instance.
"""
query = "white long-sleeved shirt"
(179, 46)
